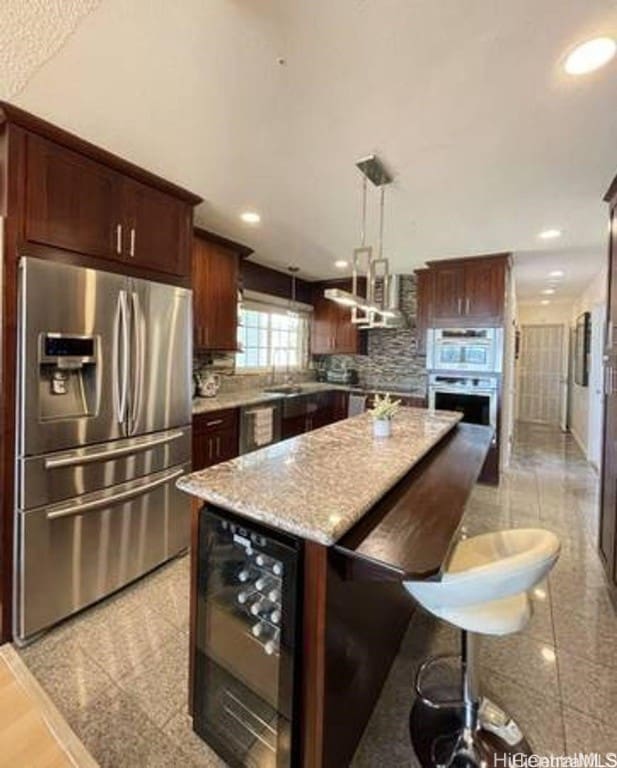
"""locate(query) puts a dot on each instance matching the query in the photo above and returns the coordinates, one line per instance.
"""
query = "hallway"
(118, 672)
(558, 678)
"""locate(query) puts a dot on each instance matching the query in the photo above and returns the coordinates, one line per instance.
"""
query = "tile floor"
(118, 673)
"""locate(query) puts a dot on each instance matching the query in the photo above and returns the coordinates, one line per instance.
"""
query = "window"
(269, 336)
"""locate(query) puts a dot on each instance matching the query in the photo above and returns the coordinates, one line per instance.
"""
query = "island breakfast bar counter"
(404, 524)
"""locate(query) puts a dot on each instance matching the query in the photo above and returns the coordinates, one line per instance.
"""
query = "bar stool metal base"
(440, 739)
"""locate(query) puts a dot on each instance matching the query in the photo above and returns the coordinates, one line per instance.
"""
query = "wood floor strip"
(32, 731)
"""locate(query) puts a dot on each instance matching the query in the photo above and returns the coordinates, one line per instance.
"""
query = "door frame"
(564, 378)
(595, 423)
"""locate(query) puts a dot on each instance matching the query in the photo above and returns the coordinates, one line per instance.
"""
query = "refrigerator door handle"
(115, 498)
(120, 357)
(138, 360)
(108, 455)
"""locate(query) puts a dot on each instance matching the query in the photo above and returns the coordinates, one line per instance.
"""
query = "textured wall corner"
(31, 32)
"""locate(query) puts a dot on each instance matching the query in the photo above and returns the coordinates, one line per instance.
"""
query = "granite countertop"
(253, 396)
(319, 484)
(232, 400)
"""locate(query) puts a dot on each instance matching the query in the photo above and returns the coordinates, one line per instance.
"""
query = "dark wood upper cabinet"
(424, 303)
(215, 295)
(332, 331)
(158, 229)
(485, 290)
(72, 202)
(468, 291)
(448, 292)
(323, 325)
(78, 204)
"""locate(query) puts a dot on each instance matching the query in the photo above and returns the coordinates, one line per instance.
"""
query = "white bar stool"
(482, 591)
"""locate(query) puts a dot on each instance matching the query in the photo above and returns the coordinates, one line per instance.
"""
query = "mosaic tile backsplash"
(392, 361)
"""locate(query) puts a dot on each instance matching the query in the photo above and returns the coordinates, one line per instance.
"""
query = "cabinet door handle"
(460, 306)
(210, 449)
(132, 245)
(218, 447)
(119, 238)
(467, 306)
(214, 422)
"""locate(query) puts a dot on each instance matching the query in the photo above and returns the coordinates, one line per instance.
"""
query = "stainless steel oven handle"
(107, 501)
(112, 453)
(455, 391)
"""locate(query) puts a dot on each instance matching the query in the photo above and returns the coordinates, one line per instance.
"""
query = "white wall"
(595, 293)
(553, 314)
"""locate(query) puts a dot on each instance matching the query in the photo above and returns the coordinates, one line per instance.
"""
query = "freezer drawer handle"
(90, 506)
(113, 453)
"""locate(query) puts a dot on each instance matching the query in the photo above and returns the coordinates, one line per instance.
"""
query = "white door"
(542, 376)
(596, 377)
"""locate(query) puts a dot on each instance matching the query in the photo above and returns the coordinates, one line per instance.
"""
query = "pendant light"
(367, 311)
(293, 311)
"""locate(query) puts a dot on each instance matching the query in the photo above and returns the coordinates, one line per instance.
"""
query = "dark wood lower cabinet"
(319, 410)
(215, 437)
(292, 426)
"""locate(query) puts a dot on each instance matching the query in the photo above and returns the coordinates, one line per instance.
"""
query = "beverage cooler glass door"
(245, 639)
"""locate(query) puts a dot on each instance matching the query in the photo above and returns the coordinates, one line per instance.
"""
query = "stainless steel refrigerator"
(103, 433)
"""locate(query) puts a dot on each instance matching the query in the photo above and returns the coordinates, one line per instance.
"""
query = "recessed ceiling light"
(341, 264)
(548, 291)
(590, 56)
(549, 234)
(250, 217)
(545, 301)
(556, 273)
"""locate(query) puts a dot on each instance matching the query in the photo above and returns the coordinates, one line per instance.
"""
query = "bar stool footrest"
(420, 680)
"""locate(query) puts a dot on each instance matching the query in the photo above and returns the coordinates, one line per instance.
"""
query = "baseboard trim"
(579, 442)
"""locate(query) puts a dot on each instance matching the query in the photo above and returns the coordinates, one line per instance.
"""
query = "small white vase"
(382, 427)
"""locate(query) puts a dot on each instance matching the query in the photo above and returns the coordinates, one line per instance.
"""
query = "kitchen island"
(364, 514)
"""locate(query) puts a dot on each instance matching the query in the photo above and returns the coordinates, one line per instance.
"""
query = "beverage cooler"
(245, 642)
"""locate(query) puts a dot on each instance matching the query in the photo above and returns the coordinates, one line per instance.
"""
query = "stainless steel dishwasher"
(260, 425)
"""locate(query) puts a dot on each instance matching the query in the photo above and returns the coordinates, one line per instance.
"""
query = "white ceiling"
(464, 100)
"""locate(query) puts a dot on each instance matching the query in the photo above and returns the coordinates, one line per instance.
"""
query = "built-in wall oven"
(245, 641)
(465, 349)
(476, 397)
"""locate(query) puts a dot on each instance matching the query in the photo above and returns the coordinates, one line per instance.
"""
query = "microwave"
(465, 349)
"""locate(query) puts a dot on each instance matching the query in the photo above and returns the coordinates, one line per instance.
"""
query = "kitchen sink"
(285, 389)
